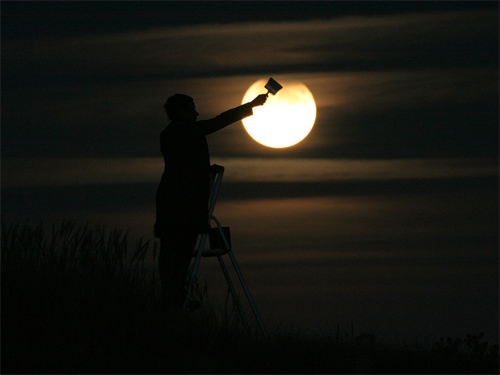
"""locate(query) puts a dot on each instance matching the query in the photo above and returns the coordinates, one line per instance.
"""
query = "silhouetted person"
(183, 193)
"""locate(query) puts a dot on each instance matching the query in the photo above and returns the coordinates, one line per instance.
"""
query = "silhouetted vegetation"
(79, 299)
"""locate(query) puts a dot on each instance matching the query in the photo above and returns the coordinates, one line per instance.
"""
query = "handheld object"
(272, 86)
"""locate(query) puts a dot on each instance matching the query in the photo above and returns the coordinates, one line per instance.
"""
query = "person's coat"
(183, 193)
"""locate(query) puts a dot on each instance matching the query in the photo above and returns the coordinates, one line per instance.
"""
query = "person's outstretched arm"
(231, 116)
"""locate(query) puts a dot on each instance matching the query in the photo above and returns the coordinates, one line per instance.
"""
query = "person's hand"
(259, 100)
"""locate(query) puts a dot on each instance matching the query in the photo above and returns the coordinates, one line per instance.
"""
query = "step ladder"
(220, 246)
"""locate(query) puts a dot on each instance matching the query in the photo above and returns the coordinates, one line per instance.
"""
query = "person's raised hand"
(259, 100)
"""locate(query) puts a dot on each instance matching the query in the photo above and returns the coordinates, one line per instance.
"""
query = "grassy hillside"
(81, 299)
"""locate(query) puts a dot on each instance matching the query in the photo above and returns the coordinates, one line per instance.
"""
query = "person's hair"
(175, 104)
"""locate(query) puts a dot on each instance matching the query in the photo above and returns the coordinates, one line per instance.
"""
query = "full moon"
(285, 119)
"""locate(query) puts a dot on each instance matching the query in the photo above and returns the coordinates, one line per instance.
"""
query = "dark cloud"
(47, 19)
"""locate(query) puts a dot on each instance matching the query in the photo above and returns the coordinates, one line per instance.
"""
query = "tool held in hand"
(272, 86)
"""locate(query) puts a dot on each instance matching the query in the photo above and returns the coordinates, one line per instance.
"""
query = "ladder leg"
(240, 276)
(247, 292)
(194, 272)
(233, 292)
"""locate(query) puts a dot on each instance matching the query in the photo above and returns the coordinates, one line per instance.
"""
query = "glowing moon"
(285, 119)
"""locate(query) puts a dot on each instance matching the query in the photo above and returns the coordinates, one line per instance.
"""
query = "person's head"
(180, 107)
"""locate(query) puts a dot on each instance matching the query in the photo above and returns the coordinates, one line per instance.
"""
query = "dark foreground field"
(77, 299)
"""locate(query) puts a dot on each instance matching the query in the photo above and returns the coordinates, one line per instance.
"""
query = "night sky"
(386, 211)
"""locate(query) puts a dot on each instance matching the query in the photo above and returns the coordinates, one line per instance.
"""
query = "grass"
(81, 299)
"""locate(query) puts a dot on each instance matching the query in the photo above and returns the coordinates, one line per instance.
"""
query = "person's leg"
(176, 251)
